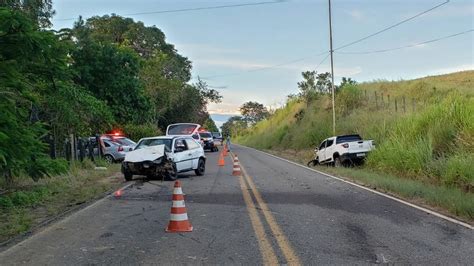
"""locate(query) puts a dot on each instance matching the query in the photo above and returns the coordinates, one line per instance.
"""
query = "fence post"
(67, 147)
(99, 145)
(52, 147)
(81, 149)
(388, 101)
(91, 149)
(404, 105)
(396, 107)
(414, 104)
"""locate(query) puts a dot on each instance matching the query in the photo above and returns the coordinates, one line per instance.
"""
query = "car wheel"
(109, 159)
(201, 167)
(172, 175)
(128, 176)
(337, 162)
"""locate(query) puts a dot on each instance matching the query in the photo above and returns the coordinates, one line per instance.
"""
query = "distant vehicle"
(184, 129)
(114, 147)
(113, 151)
(128, 144)
(164, 156)
(217, 138)
(208, 141)
(342, 150)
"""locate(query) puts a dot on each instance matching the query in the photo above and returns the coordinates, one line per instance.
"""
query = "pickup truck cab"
(343, 150)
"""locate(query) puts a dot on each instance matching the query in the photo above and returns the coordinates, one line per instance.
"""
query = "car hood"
(145, 154)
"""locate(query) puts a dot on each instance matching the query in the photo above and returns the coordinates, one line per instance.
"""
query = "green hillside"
(424, 128)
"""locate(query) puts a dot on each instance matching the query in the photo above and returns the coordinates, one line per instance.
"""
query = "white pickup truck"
(342, 150)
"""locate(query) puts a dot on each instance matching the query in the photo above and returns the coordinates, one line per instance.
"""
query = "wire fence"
(385, 101)
(75, 148)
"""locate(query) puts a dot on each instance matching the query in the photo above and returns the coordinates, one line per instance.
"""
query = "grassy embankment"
(425, 151)
(26, 203)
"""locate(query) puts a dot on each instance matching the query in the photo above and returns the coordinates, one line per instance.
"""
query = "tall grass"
(433, 143)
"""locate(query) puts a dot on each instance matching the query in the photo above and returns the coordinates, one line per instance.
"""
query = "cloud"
(232, 63)
(254, 65)
(205, 48)
(448, 11)
(356, 14)
(223, 108)
(451, 69)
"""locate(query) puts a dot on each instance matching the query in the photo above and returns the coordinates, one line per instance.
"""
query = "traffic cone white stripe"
(179, 217)
(177, 191)
(178, 203)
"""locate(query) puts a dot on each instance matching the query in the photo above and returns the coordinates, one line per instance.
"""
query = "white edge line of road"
(369, 189)
(64, 219)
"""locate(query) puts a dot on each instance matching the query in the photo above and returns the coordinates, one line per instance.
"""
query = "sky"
(229, 47)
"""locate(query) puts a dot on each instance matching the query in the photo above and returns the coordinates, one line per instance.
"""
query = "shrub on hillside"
(349, 97)
(418, 143)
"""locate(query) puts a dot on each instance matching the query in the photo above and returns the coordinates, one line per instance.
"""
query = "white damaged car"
(165, 157)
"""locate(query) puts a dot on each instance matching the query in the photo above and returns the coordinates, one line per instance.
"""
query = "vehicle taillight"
(120, 148)
(345, 145)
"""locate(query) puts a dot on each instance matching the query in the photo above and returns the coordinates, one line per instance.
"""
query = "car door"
(194, 147)
(321, 151)
(182, 155)
(329, 150)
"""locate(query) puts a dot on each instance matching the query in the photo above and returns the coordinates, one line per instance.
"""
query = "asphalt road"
(275, 213)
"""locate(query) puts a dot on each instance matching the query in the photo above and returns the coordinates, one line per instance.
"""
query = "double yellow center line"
(268, 254)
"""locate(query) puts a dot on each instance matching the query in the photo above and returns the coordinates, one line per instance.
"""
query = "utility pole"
(332, 72)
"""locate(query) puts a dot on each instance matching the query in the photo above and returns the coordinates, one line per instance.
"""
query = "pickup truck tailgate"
(359, 146)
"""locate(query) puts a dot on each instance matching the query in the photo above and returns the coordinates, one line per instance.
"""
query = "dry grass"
(28, 203)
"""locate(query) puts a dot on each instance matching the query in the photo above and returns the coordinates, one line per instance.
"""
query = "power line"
(391, 27)
(322, 61)
(192, 9)
(408, 46)
(338, 48)
(267, 67)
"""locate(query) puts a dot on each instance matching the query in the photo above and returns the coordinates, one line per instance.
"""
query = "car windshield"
(125, 141)
(181, 129)
(154, 142)
(348, 138)
(216, 134)
(206, 135)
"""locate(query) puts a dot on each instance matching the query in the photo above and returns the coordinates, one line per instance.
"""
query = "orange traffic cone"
(236, 169)
(225, 150)
(118, 193)
(179, 217)
(221, 161)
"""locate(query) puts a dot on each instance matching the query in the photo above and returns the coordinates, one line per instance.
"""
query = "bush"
(348, 98)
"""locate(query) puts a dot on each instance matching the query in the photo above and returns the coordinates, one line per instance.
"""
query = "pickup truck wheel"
(201, 167)
(337, 162)
(313, 163)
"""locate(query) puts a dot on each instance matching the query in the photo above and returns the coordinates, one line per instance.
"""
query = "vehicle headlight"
(158, 161)
(146, 164)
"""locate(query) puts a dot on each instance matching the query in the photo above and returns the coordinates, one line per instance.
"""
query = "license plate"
(360, 154)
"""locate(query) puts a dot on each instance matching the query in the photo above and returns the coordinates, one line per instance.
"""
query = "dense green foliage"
(433, 142)
(106, 72)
